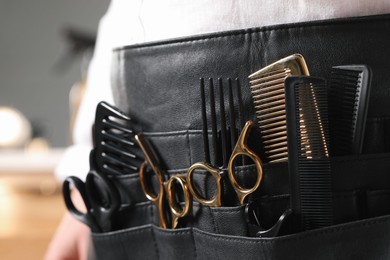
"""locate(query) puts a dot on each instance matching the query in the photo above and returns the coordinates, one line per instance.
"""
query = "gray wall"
(30, 46)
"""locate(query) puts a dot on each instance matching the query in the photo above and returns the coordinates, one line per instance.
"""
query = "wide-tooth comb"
(349, 93)
(224, 137)
(116, 150)
(308, 155)
(267, 88)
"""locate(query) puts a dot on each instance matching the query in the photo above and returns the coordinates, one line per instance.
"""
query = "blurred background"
(45, 46)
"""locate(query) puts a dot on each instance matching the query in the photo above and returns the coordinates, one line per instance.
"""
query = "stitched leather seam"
(132, 176)
(377, 193)
(213, 220)
(187, 134)
(155, 243)
(123, 246)
(193, 242)
(378, 119)
(171, 232)
(173, 133)
(245, 239)
(265, 29)
(122, 233)
(382, 157)
(227, 209)
(189, 148)
(273, 198)
(347, 194)
(139, 205)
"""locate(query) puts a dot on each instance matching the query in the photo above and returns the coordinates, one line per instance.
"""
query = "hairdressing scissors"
(241, 149)
(167, 190)
(100, 197)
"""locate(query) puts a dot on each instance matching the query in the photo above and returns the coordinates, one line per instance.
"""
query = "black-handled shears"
(100, 197)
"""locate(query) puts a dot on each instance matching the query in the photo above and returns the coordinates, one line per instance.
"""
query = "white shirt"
(138, 21)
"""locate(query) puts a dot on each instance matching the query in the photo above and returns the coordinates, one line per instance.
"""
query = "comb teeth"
(309, 165)
(115, 149)
(348, 98)
(268, 93)
(226, 123)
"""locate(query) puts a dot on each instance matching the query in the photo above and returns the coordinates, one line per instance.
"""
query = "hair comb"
(116, 150)
(349, 92)
(308, 154)
(268, 93)
(226, 116)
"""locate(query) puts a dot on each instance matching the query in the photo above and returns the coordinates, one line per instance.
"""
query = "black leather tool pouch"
(157, 84)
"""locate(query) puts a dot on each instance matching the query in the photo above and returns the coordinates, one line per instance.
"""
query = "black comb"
(116, 150)
(349, 93)
(308, 155)
(224, 135)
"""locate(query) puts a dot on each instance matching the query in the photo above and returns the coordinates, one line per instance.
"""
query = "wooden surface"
(31, 207)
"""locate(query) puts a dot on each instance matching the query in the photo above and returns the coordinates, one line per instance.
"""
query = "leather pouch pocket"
(136, 215)
(377, 137)
(224, 220)
(145, 242)
(346, 206)
(135, 209)
(343, 241)
(378, 202)
(361, 189)
(133, 243)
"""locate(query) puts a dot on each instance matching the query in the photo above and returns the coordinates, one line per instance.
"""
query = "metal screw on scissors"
(167, 190)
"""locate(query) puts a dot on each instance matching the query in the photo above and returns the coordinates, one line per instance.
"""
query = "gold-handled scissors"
(241, 149)
(167, 190)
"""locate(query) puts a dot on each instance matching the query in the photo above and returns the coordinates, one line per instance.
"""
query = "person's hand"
(71, 239)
